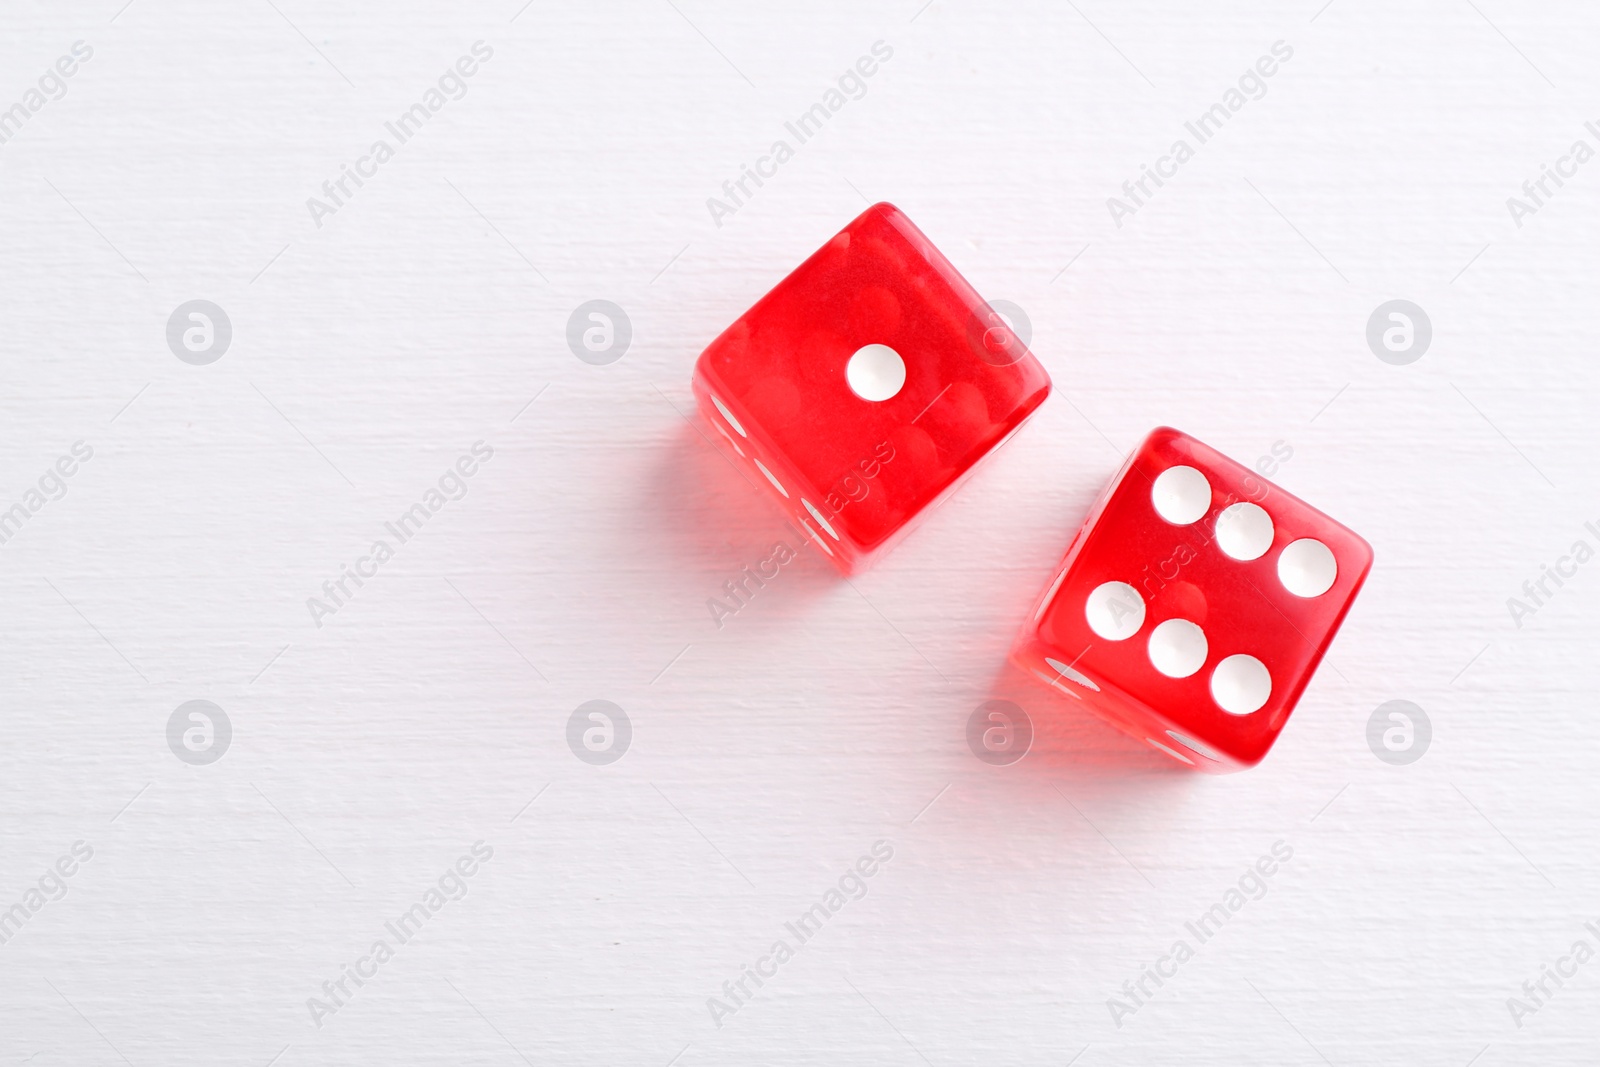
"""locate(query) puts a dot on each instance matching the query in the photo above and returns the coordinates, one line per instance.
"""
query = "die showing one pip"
(1194, 604)
(866, 384)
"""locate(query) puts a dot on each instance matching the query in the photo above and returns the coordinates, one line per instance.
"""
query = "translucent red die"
(1194, 604)
(866, 384)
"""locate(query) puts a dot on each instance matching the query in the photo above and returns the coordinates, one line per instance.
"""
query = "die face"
(1202, 597)
(875, 377)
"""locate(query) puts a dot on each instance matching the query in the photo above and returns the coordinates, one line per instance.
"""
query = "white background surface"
(767, 755)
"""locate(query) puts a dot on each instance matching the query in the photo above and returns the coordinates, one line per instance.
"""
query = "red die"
(1195, 604)
(866, 384)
